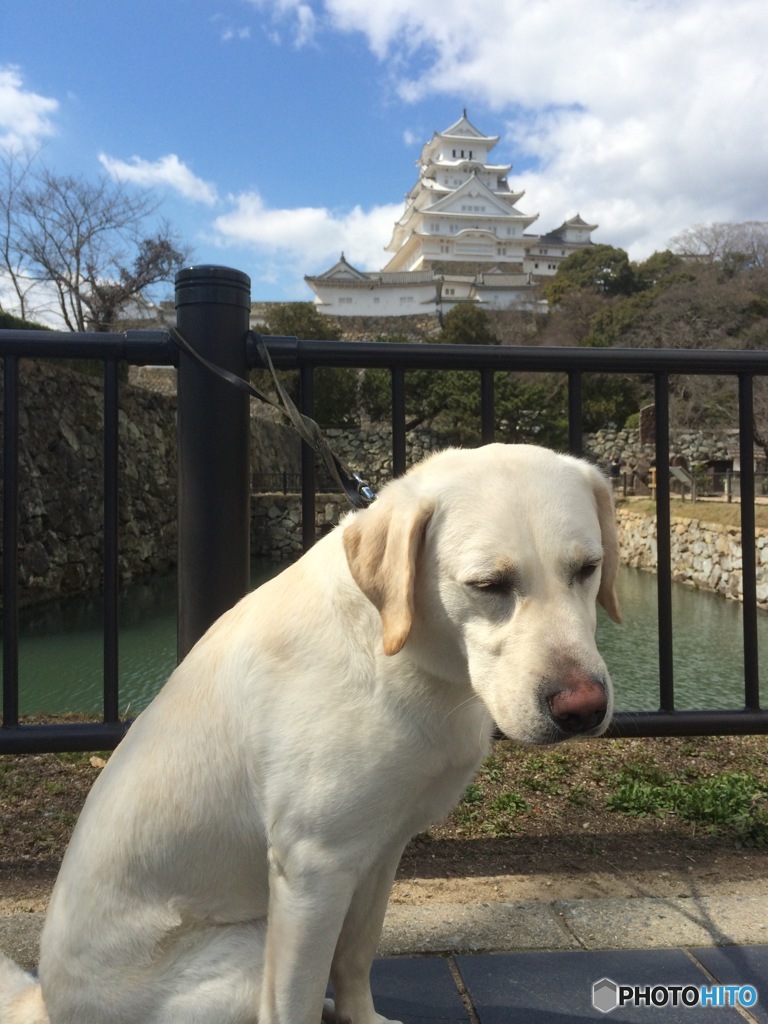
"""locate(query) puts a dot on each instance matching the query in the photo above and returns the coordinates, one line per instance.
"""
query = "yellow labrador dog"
(238, 850)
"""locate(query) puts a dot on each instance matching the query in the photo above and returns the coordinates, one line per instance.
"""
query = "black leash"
(357, 492)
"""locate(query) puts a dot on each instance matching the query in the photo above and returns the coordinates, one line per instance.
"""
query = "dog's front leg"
(308, 900)
(356, 948)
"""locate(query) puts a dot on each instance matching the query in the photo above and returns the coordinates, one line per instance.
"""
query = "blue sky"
(276, 133)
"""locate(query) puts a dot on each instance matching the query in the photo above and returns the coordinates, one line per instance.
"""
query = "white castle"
(460, 238)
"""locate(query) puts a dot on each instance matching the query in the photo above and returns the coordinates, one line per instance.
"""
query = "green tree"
(467, 324)
(602, 269)
(299, 320)
(659, 270)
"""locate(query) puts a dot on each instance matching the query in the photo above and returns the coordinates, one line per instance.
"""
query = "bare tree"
(84, 241)
(742, 246)
(13, 266)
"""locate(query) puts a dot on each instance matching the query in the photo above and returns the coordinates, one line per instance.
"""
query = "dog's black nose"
(580, 707)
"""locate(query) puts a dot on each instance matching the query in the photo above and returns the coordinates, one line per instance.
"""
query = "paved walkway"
(537, 963)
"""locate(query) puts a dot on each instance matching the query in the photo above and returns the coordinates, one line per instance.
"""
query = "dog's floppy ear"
(382, 546)
(606, 515)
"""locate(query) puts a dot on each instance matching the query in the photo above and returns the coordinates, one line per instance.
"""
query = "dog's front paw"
(329, 1016)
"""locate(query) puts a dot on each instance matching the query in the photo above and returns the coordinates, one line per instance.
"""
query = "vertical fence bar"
(308, 469)
(212, 311)
(398, 421)
(575, 411)
(111, 524)
(10, 541)
(487, 407)
(748, 556)
(663, 546)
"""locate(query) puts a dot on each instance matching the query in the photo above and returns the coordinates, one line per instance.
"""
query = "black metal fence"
(213, 305)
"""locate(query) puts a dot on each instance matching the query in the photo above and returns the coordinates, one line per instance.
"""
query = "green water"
(60, 653)
(707, 647)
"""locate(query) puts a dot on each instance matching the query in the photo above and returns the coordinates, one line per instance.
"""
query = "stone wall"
(276, 523)
(369, 452)
(61, 416)
(694, 446)
(417, 327)
(704, 555)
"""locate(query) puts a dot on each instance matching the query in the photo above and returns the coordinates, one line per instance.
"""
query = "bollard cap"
(212, 284)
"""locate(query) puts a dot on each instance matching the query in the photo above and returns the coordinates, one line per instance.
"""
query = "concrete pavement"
(537, 962)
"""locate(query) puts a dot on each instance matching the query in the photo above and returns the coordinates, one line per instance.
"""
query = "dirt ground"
(561, 842)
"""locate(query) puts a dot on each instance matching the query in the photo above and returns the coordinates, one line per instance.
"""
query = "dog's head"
(485, 567)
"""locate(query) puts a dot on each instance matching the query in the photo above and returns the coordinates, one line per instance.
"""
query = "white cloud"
(645, 115)
(228, 34)
(168, 171)
(299, 16)
(308, 239)
(25, 116)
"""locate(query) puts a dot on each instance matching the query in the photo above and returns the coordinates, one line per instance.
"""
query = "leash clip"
(364, 490)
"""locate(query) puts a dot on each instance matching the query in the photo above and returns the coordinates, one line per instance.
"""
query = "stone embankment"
(703, 555)
(694, 446)
(61, 418)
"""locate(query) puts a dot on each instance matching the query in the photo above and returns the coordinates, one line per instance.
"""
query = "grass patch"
(709, 788)
(718, 512)
(731, 803)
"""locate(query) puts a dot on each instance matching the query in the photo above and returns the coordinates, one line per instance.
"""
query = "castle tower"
(460, 238)
(461, 209)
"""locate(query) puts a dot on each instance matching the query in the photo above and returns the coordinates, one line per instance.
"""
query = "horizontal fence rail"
(209, 296)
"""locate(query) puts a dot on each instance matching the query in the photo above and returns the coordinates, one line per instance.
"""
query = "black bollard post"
(212, 313)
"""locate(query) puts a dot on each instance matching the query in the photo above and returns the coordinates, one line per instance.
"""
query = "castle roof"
(342, 272)
(576, 225)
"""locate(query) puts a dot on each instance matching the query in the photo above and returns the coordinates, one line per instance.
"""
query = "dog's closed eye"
(503, 584)
(582, 573)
